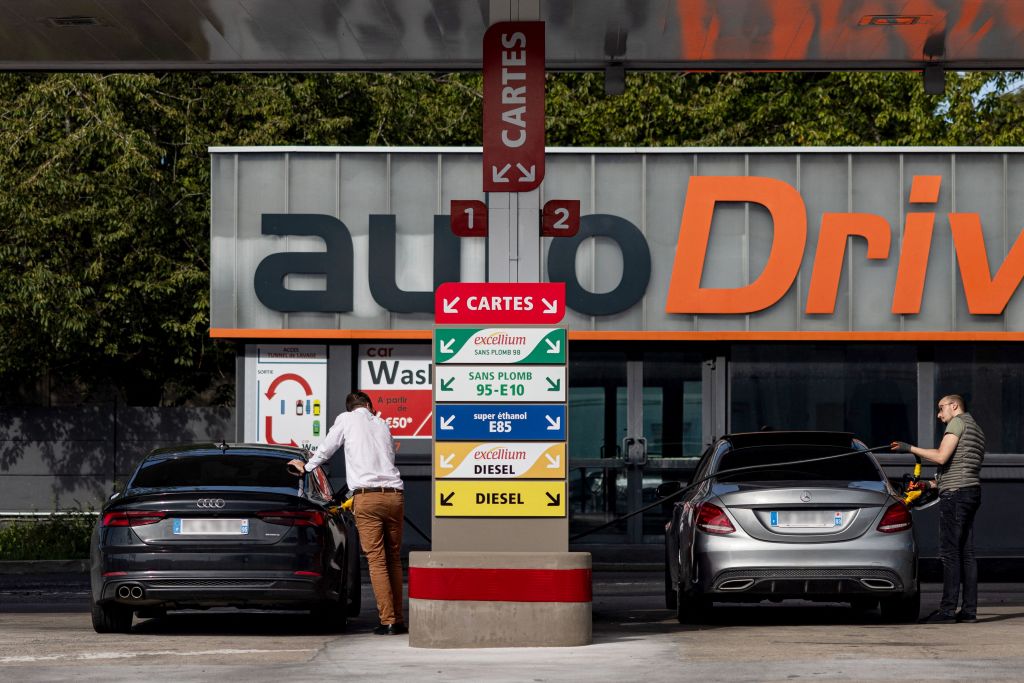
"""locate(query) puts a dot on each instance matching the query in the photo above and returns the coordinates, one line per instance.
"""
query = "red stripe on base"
(500, 585)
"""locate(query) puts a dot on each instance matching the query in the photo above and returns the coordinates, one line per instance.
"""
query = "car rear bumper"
(214, 589)
(744, 569)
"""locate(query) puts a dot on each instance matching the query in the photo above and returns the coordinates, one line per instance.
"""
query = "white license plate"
(211, 527)
(806, 519)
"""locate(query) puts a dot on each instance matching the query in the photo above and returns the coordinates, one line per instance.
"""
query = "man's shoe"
(962, 618)
(390, 629)
(939, 617)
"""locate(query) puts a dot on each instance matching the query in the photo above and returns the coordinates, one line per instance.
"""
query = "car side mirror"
(667, 488)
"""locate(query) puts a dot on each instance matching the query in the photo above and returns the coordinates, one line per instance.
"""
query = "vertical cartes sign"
(287, 394)
(399, 379)
(513, 122)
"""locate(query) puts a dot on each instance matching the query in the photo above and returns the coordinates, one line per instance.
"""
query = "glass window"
(858, 467)
(870, 390)
(672, 405)
(991, 380)
(215, 470)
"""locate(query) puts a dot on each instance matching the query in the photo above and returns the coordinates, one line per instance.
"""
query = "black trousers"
(957, 510)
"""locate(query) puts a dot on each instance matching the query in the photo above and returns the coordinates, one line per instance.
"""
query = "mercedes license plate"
(211, 527)
(806, 519)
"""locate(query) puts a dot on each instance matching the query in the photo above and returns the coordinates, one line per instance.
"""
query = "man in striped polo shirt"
(959, 457)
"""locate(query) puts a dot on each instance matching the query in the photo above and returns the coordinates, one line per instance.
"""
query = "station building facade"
(708, 291)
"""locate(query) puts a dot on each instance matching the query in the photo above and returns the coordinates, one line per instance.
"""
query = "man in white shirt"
(379, 504)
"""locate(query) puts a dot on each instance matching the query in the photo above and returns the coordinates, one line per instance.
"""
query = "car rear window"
(770, 459)
(215, 470)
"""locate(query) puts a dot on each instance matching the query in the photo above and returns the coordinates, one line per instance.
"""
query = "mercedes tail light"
(293, 517)
(896, 518)
(132, 518)
(711, 519)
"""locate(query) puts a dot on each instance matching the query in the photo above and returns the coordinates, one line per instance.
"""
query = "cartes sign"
(499, 460)
(513, 120)
(513, 422)
(506, 345)
(494, 384)
(499, 498)
(507, 303)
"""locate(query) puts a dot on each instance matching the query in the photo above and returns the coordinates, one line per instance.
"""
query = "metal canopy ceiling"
(299, 35)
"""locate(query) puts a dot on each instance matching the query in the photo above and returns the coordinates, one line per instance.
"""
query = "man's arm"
(940, 455)
(332, 442)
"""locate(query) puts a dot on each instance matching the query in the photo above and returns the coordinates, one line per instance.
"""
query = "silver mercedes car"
(762, 523)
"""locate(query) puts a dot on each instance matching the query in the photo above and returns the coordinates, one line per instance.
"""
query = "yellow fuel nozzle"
(347, 505)
(913, 494)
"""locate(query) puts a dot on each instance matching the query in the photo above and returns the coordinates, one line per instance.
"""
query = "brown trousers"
(379, 520)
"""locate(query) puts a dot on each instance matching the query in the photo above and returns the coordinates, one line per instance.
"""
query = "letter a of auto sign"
(513, 106)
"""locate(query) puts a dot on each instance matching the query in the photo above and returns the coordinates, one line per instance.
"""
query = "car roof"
(201, 449)
(789, 438)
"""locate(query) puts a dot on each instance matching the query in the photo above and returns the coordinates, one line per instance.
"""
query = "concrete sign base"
(496, 599)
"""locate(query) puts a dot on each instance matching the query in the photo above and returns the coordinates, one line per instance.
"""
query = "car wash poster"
(287, 394)
(399, 379)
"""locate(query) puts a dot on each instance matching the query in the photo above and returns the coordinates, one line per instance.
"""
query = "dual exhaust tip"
(744, 584)
(131, 591)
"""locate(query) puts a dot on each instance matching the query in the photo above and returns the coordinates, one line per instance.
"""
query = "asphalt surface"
(46, 634)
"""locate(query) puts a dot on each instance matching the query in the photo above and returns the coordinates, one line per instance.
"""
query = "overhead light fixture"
(934, 80)
(614, 79)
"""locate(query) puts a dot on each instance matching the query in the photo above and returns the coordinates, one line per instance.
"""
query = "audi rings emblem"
(210, 503)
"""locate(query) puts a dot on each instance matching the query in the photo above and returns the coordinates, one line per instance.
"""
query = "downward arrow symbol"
(527, 175)
(446, 345)
(446, 461)
(449, 306)
(549, 306)
(446, 500)
(556, 499)
(554, 384)
(447, 386)
(553, 424)
(446, 423)
(554, 346)
(556, 461)
(499, 176)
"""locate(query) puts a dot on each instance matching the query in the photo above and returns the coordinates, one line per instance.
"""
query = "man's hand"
(297, 467)
(900, 447)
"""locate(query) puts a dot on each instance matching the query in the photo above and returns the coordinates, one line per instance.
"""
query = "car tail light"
(132, 518)
(711, 519)
(293, 517)
(896, 518)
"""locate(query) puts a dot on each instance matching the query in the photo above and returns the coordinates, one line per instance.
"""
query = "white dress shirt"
(369, 450)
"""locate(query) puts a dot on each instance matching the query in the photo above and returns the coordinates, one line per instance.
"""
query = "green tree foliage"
(104, 208)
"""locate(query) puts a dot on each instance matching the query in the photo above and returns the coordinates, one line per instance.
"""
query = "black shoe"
(962, 618)
(939, 617)
(391, 629)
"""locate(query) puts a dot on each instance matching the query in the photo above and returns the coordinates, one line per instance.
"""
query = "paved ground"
(45, 634)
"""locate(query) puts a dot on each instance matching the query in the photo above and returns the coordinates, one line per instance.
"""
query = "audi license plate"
(806, 519)
(211, 527)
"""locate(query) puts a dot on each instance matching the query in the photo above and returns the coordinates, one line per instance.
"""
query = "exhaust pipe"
(128, 591)
(736, 585)
(878, 584)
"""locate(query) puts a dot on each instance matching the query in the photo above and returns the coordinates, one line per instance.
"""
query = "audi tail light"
(293, 517)
(132, 518)
(712, 519)
(896, 518)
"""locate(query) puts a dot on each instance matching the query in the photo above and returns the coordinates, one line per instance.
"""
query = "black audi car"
(226, 525)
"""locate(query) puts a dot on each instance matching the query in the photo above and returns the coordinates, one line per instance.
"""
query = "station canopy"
(446, 35)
